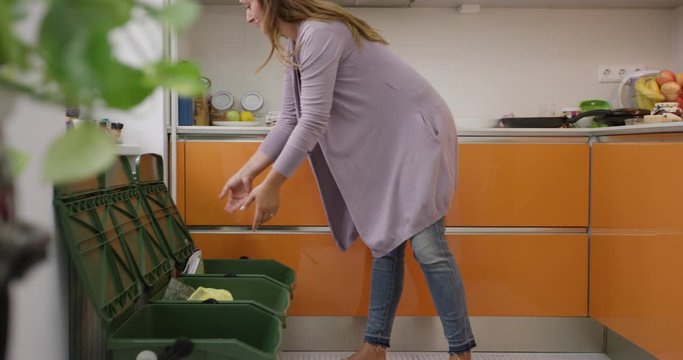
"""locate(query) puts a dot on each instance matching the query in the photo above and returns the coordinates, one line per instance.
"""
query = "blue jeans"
(444, 281)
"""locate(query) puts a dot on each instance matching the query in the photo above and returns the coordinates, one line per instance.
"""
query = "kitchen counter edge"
(473, 132)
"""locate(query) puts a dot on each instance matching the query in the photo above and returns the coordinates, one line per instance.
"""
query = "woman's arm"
(321, 51)
(320, 55)
(239, 185)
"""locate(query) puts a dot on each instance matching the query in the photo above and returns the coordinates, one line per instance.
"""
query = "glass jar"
(201, 105)
(253, 102)
(221, 103)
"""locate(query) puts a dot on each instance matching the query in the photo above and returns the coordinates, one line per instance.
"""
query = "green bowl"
(588, 105)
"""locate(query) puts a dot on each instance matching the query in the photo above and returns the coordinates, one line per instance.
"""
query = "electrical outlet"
(616, 73)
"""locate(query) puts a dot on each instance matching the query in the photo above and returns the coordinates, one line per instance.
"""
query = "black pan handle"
(587, 114)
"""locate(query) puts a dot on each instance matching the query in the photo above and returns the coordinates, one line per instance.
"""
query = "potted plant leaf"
(71, 62)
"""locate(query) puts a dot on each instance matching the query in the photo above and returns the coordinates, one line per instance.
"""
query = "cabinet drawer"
(636, 289)
(530, 185)
(637, 185)
(524, 275)
(209, 164)
(504, 275)
(329, 282)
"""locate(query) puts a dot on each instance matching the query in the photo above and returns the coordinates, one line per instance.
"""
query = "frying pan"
(534, 122)
(607, 117)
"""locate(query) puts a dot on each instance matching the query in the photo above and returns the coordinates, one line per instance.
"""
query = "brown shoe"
(369, 352)
(461, 356)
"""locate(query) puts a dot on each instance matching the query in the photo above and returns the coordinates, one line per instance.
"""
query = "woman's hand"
(267, 199)
(239, 187)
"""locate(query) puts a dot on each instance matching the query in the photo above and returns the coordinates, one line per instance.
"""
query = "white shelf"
(128, 149)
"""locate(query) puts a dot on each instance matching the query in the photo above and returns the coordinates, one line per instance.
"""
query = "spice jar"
(116, 129)
(201, 105)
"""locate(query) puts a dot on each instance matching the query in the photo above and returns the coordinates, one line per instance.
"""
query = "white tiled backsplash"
(485, 65)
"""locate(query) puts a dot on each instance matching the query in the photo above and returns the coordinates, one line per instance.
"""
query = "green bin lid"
(111, 242)
(146, 253)
(167, 222)
(85, 224)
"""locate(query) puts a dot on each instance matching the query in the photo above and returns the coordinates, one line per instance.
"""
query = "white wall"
(38, 327)
(140, 43)
(677, 42)
(484, 65)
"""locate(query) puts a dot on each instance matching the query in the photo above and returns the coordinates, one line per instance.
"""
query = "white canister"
(253, 102)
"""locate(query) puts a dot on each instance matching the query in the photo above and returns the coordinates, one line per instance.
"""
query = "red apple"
(679, 79)
(666, 76)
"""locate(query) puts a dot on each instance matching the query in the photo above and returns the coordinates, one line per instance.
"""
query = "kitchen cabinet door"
(527, 185)
(523, 275)
(504, 275)
(180, 178)
(209, 164)
(329, 282)
(637, 185)
(637, 242)
(636, 289)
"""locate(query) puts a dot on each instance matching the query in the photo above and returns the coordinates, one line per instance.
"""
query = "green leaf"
(124, 87)
(180, 14)
(12, 50)
(183, 77)
(19, 161)
(74, 40)
(82, 152)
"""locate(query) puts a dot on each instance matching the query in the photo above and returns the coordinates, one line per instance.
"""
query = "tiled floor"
(442, 356)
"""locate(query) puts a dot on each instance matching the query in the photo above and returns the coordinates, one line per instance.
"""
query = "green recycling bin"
(254, 291)
(96, 223)
(199, 332)
(177, 240)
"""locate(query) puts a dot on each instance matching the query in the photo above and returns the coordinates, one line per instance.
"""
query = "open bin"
(145, 253)
(238, 332)
(177, 238)
(91, 221)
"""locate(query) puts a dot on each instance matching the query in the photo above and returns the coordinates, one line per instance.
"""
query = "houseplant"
(71, 62)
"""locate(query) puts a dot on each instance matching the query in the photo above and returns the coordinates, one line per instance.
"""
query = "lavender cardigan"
(381, 141)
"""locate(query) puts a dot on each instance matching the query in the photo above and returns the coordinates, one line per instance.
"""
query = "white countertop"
(127, 149)
(570, 132)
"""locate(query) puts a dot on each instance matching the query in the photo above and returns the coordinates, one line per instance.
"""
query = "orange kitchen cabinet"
(636, 289)
(637, 242)
(329, 282)
(504, 275)
(637, 185)
(209, 164)
(528, 185)
(524, 275)
(180, 178)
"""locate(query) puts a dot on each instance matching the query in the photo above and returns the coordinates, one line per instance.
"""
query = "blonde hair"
(296, 11)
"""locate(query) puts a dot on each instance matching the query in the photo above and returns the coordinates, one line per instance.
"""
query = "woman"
(382, 144)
